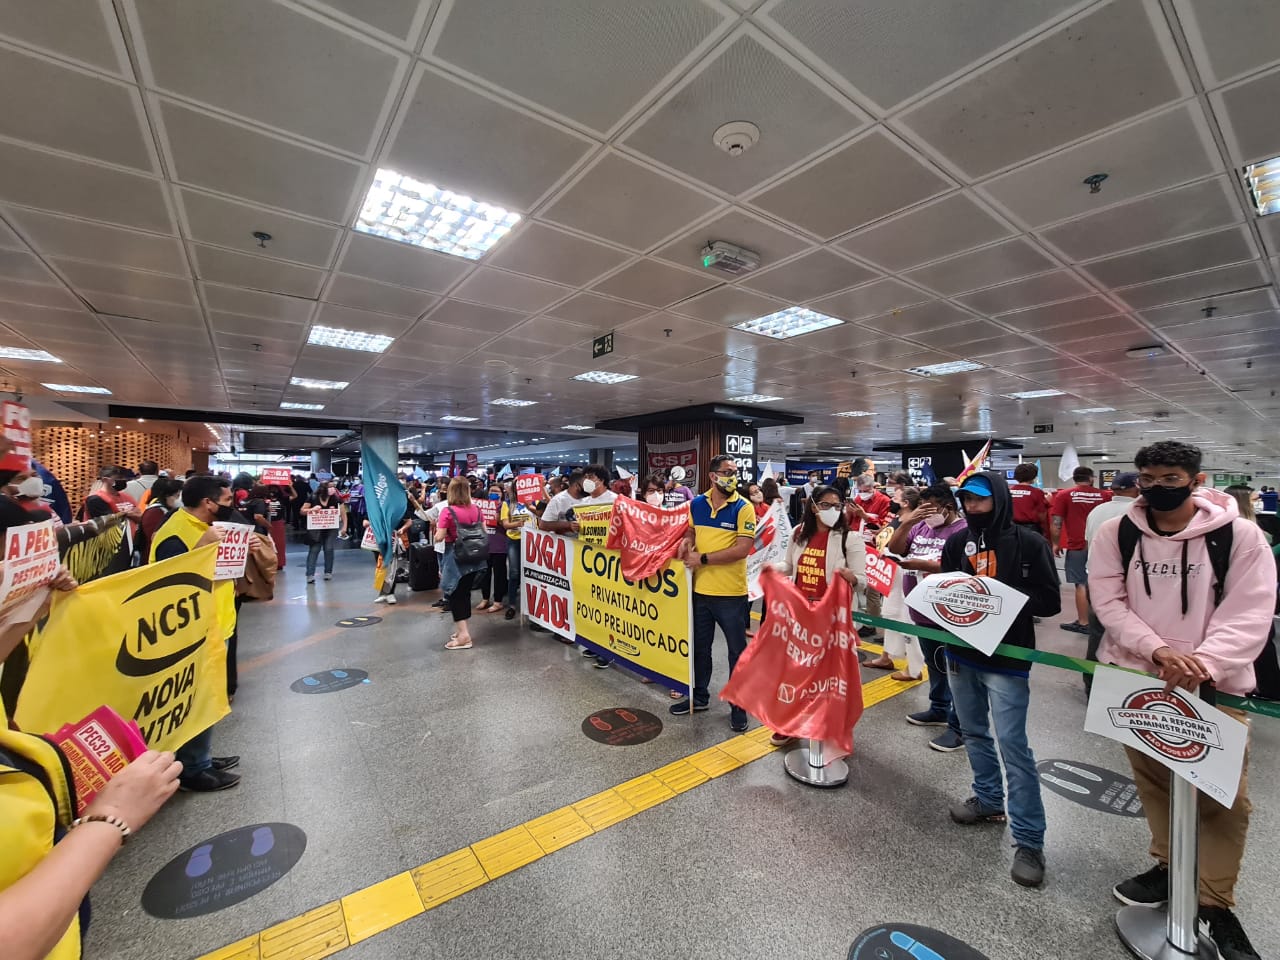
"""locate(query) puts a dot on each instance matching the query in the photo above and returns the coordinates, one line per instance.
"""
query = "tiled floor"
(443, 749)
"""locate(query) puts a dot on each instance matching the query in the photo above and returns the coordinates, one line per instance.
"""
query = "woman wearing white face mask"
(822, 548)
(166, 497)
(653, 490)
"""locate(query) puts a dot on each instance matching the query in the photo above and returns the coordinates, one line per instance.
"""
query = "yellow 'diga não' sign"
(145, 642)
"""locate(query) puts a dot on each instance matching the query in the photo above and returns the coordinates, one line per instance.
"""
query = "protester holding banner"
(1192, 602)
(107, 496)
(722, 531)
(995, 691)
(867, 511)
(676, 493)
(166, 497)
(325, 498)
(512, 518)
(897, 644)
(653, 490)
(493, 581)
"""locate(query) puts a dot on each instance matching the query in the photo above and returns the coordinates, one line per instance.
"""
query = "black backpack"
(472, 545)
(1267, 667)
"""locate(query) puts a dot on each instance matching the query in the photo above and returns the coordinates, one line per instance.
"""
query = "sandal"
(879, 663)
(903, 676)
(454, 644)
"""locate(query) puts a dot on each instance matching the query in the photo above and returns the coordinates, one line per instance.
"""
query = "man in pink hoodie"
(1165, 613)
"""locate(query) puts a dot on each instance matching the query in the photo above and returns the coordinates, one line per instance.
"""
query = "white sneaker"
(379, 599)
(328, 576)
(391, 600)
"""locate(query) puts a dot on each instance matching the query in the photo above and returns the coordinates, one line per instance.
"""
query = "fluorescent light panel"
(1033, 394)
(1263, 182)
(349, 339)
(452, 419)
(855, 413)
(1095, 410)
(22, 353)
(754, 398)
(312, 384)
(604, 376)
(927, 423)
(1126, 423)
(513, 402)
(788, 323)
(942, 369)
(289, 405)
(74, 388)
(422, 214)
(575, 426)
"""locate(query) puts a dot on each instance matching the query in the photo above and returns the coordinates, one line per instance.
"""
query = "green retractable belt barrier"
(1266, 708)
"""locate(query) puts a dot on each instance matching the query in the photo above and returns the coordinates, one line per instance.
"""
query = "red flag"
(800, 674)
(453, 464)
(646, 536)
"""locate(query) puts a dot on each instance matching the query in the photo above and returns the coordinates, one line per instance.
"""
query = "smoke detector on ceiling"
(737, 137)
(1145, 353)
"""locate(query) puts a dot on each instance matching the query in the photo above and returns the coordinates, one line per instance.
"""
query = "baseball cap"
(1125, 481)
(976, 485)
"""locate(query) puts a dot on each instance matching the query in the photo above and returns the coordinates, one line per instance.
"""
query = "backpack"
(472, 544)
(1266, 667)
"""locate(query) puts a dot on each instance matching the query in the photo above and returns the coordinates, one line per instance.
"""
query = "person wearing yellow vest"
(43, 887)
(204, 500)
(512, 519)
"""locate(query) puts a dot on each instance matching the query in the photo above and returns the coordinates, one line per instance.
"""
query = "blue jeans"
(983, 695)
(939, 691)
(513, 574)
(196, 755)
(326, 540)
(731, 614)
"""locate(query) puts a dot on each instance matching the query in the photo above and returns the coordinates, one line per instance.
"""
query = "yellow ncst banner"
(145, 642)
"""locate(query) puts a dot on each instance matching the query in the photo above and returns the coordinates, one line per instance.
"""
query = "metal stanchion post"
(806, 765)
(1173, 933)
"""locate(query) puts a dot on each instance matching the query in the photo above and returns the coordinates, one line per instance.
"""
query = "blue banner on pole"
(384, 499)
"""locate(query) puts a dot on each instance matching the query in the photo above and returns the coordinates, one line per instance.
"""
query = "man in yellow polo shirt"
(722, 530)
(204, 500)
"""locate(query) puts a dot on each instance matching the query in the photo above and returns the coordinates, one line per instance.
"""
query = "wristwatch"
(702, 559)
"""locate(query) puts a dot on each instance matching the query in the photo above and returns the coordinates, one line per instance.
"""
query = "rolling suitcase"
(424, 567)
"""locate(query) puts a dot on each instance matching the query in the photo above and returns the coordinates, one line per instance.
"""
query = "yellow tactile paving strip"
(358, 916)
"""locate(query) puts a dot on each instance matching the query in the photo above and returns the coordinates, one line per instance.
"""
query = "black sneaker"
(681, 708)
(927, 718)
(1028, 867)
(974, 811)
(866, 633)
(1074, 627)
(738, 720)
(1150, 889)
(603, 663)
(225, 763)
(947, 742)
(208, 781)
(588, 653)
(510, 614)
(1226, 933)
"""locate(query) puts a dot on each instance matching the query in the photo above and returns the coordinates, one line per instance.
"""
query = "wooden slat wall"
(75, 454)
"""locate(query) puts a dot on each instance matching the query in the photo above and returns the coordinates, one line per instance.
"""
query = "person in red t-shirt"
(1030, 503)
(1071, 507)
(866, 512)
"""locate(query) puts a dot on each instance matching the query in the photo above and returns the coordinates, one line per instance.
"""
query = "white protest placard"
(978, 610)
(369, 541)
(233, 550)
(324, 518)
(773, 537)
(276, 477)
(30, 562)
(1198, 742)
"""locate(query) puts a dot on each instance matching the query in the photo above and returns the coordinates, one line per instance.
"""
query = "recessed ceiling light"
(1019, 438)
(1095, 410)
(942, 369)
(311, 384)
(754, 398)
(1033, 394)
(926, 423)
(605, 376)
(814, 433)
(287, 405)
(73, 388)
(1263, 181)
(854, 413)
(424, 215)
(453, 419)
(513, 402)
(575, 426)
(349, 339)
(22, 353)
(788, 323)
(1125, 423)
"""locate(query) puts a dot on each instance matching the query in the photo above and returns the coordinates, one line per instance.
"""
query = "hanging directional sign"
(602, 345)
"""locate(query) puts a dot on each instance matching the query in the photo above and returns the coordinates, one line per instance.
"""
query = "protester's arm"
(855, 559)
(1056, 513)
(742, 546)
(1239, 626)
(1042, 577)
(1109, 594)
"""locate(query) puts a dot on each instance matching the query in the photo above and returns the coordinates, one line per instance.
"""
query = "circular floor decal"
(1094, 787)
(358, 622)
(329, 681)
(224, 871)
(621, 726)
(902, 941)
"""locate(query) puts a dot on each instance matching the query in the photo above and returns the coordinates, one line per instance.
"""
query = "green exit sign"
(602, 345)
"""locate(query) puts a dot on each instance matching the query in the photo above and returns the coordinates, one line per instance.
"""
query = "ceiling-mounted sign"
(601, 345)
(1042, 428)
(891, 941)
(742, 447)
(1094, 787)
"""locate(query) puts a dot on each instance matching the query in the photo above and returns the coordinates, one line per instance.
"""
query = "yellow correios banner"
(643, 625)
(145, 642)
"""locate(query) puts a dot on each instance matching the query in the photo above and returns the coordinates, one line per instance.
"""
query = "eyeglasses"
(726, 473)
(825, 504)
(1168, 480)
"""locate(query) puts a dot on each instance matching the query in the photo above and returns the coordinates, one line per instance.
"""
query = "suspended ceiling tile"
(621, 201)
(379, 297)
(655, 327)
(36, 179)
(257, 327)
(634, 45)
(811, 275)
(728, 306)
(1085, 331)
(38, 294)
(1249, 117)
(1140, 158)
(912, 321)
(928, 232)
(1165, 216)
(959, 337)
(1046, 288)
(471, 143)
(484, 322)
(230, 158)
(1171, 259)
(745, 80)
(497, 288)
(255, 303)
(1070, 311)
(216, 265)
(51, 321)
(83, 240)
(394, 17)
(599, 313)
(1043, 96)
(550, 254)
(1270, 228)
(737, 227)
(24, 267)
(863, 41)
(655, 284)
(150, 315)
(76, 112)
(83, 30)
(85, 277)
(870, 299)
(868, 179)
(554, 332)
(1233, 305)
(228, 223)
(427, 335)
(998, 263)
(401, 263)
(1230, 38)
(1194, 286)
(362, 321)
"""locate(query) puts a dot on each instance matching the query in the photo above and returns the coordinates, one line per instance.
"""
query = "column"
(320, 461)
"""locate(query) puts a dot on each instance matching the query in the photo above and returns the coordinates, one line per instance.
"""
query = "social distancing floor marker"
(333, 927)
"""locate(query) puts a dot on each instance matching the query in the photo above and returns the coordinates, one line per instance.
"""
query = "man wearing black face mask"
(107, 496)
(204, 500)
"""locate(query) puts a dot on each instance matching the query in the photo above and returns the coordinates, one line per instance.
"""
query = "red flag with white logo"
(800, 675)
(646, 536)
